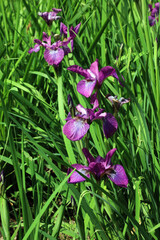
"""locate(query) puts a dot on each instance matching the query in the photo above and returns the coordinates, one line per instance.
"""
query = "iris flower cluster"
(154, 14)
(55, 52)
(79, 118)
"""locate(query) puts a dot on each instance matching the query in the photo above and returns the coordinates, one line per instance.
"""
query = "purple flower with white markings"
(54, 53)
(49, 17)
(98, 168)
(93, 78)
(78, 125)
(72, 32)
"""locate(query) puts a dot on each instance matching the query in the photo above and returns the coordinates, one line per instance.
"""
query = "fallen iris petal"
(109, 155)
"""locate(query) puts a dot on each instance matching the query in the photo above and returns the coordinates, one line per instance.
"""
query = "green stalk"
(137, 203)
(62, 119)
(149, 46)
(98, 208)
(59, 219)
(99, 34)
(27, 216)
(23, 162)
(4, 212)
(4, 19)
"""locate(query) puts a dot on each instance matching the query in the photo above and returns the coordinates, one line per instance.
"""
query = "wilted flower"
(54, 53)
(78, 124)
(117, 103)
(93, 78)
(72, 32)
(98, 168)
(49, 17)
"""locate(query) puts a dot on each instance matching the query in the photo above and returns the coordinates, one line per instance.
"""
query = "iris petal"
(76, 177)
(119, 176)
(80, 70)
(110, 125)
(85, 87)
(75, 129)
(53, 56)
(35, 49)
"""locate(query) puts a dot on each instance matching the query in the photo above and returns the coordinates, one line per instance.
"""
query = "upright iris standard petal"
(94, 70)
(88, 156)
(110, 125)
(118, 176)
(94, 101)
(104, 73)
(76, 177)
(46, 39)
(75, 129)
(72, 32)
(63, 29)
(109, 156)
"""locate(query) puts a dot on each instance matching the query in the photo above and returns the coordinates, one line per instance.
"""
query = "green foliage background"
(35, 155)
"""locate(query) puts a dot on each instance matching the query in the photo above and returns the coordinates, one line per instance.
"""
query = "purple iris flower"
(152, 21)
(49, 17)
(72, 31)
(93, 78)
(98, 168)
(154, 14)
(78, 125)
(54, 53)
